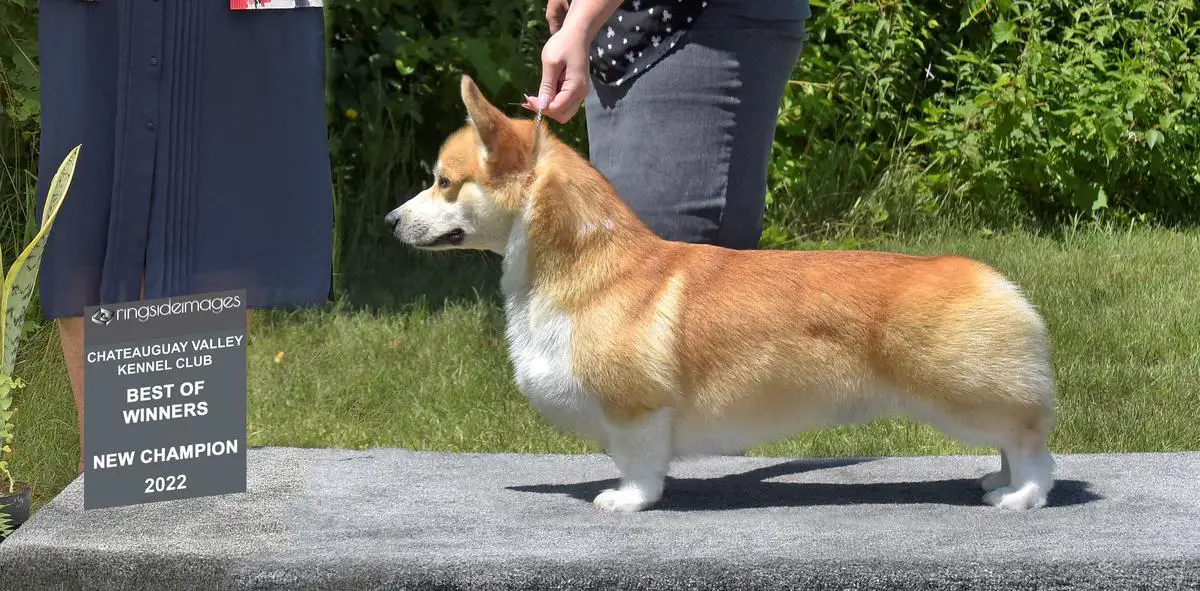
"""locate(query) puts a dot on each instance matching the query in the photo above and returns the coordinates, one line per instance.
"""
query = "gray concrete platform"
(394, 519)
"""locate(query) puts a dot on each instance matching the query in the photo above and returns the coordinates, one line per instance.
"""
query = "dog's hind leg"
(1021, 431)
(641, 448)
(1031, 470)
(1019, 426)
(999, 478)
(1021, 421)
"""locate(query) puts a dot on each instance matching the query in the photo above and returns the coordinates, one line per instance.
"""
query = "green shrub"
(839, 152)
(1079, 108)
(999, 111)
(900, 112)
(19, 110)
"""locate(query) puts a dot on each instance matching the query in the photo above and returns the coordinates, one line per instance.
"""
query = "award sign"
(164, 399)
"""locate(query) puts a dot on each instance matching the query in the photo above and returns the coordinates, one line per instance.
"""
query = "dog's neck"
(571, 236)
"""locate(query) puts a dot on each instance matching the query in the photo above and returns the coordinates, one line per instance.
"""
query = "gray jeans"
(687, 144)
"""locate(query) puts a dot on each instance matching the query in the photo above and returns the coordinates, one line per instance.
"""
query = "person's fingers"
(572, 93)
(566, 102)
(564, 82)
(553, 65)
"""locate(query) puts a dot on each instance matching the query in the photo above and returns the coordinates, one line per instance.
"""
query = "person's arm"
(589, 15)
(565, 56)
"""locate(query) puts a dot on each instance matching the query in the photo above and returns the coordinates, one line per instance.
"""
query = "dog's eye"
(443, 182)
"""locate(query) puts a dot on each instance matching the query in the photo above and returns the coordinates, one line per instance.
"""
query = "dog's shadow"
(382, 275)
(754, 490)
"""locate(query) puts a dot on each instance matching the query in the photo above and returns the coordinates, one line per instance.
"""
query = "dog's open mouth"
(452, 238)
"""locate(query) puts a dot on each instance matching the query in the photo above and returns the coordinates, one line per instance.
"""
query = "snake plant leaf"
(21, 279)
(6, 528)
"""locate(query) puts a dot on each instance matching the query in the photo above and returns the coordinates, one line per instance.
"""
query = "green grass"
(414, 357)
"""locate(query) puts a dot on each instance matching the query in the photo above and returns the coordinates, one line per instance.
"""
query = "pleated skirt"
(205, 163)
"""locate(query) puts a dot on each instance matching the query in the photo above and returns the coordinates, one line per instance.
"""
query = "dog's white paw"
(993, 481)
(622, 500)
(1022, 499)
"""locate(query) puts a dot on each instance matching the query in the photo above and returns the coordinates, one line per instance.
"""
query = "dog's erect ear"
(487, 120)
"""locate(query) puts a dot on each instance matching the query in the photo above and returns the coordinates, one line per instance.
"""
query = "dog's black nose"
(392, 218)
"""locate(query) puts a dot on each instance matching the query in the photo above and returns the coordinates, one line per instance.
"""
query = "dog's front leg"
(641, 448)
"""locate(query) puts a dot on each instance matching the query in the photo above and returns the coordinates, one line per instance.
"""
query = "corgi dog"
(658, 350)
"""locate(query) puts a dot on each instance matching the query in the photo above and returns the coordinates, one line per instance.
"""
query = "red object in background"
(245, 4)
(270, 4)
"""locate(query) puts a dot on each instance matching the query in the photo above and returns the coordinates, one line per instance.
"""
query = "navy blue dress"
(205, 162)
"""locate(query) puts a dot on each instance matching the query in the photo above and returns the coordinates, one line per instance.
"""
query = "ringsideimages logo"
(102, 317)
(171, 307)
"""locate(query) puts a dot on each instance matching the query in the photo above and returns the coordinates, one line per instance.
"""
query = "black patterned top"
(638, 34)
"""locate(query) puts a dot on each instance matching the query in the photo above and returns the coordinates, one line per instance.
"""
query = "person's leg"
(687, 145)
(70, 334)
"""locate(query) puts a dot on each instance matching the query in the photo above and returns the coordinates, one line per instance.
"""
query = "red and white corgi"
(658, 350)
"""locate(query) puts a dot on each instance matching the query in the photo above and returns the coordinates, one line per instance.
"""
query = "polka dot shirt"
(638, 34)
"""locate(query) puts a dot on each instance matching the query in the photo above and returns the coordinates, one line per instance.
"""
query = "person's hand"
(564, 73)
(556, 13)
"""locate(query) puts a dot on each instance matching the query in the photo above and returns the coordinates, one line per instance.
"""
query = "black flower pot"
(16, 504)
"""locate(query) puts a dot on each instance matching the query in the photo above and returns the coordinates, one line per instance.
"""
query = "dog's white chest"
(539, 346)
(539, 341)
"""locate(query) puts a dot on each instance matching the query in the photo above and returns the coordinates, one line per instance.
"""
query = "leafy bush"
(19, 111)
(899, 113)
(1001, 111)
(839, 155)
(1078, 108)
